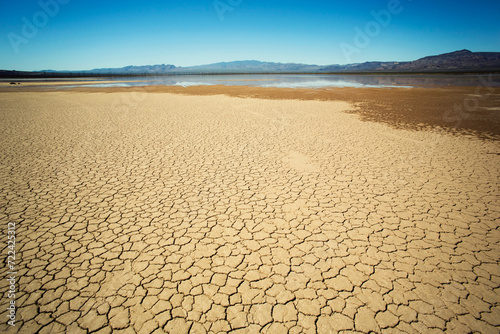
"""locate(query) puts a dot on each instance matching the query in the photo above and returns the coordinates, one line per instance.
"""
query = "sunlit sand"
(215, 213)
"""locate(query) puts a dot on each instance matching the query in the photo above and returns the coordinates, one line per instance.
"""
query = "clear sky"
(87, 34)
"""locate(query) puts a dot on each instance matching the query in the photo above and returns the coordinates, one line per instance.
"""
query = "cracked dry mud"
(212, 214)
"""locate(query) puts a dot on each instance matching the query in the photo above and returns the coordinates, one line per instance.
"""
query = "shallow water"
(298, 80)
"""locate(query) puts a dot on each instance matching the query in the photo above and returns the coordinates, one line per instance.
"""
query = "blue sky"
(87, 34)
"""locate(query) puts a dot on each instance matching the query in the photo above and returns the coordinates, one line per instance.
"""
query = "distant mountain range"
(455, 62)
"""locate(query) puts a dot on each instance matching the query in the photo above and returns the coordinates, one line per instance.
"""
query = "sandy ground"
(463, 110)
(155, 212)
(37, 83)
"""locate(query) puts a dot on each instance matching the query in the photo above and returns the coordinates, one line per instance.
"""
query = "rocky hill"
(456, 62)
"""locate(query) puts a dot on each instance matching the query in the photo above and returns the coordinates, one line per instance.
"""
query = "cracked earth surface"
(213, 214)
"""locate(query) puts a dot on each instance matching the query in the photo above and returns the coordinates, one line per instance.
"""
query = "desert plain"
(248, 210)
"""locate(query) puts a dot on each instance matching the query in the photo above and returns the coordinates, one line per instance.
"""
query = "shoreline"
(459, 110)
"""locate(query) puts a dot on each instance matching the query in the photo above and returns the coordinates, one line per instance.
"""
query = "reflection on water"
(304, 80)
(282, 81)
(326, 83)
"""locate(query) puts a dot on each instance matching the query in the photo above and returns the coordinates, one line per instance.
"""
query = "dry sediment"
(459, 110)
(160, 213)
